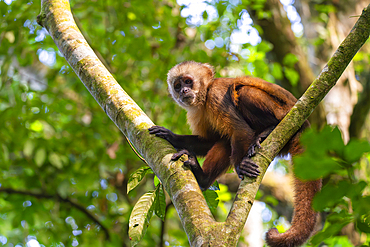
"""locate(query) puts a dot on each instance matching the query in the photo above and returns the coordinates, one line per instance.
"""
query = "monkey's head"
(188, 82)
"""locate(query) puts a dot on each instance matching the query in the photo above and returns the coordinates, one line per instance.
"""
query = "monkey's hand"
(163, 133)
(247, 168)
(194, 166)
(257, 142)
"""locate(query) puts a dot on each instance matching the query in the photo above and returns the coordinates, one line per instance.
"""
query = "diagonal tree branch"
(180, 183)
(302, 109)
(186, 196)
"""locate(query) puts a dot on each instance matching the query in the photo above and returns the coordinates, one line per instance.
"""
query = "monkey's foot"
(177, 155)
(252, 148)
(194, 166)
(257, 143)
(247, 168)
(192, 161)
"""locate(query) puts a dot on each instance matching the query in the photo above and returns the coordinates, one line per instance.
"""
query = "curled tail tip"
(272, 237)
(287, 239)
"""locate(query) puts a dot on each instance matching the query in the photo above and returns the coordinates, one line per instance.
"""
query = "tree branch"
(180, 183)
(61, 199)
(299, 113)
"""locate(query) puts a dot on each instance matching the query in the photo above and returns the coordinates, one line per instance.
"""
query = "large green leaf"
(335, 223)
(140, 217)
(330, 195)
(136, 177)
(355, 149)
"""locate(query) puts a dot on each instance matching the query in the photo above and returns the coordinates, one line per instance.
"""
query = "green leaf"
(40, 157)
(356, 192)
(264, 47)
(63, 188)
(140, 217)
(160, 202)
(355, 149)
(317, 161)
(214, 186)
(309, 167)
(205, 15)
(330, 195)
(290, 60)
(211, 197)
(328, 139)
(277, 71)
(156, 181)
(221, 7)
(363, 223)
(330, 230)
(361, 206)
(291, 75)
(16, 221)
(55, 160)
(28, 148)
(5, 152)
(36, 126)
(136, 177)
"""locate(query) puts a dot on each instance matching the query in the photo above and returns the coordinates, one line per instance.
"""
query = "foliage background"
(64, 164)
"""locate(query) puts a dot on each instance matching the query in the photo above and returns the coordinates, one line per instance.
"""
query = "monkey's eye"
(177, 86)
(188, 81)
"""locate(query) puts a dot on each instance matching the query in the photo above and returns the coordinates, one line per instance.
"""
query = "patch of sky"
(47, 57)
(293, 16)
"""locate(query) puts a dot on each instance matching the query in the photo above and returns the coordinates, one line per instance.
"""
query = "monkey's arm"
(193, 143)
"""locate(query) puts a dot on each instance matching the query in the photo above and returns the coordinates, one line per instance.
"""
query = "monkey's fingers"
(252, 149)
(177, 155)
(161, 132)
(157, 129)
(248, 168)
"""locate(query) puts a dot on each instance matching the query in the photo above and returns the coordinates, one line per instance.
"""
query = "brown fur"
(227, 115)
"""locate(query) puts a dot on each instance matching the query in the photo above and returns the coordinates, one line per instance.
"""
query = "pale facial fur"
(202, 75)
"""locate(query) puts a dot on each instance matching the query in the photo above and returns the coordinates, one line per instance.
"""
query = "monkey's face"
(183, 90)
(188, 82)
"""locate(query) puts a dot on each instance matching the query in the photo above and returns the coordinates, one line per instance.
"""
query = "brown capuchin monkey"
(229, 118)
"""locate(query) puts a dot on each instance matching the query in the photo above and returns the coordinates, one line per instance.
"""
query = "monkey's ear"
(210, 67)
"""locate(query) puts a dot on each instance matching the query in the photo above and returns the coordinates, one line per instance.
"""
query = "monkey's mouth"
(187, 99)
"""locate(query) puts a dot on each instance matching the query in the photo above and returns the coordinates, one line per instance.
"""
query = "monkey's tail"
(304, 218)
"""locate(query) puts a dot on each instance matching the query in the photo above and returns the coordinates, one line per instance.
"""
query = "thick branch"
(299, 113)
(185, 194)
(61, 199)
